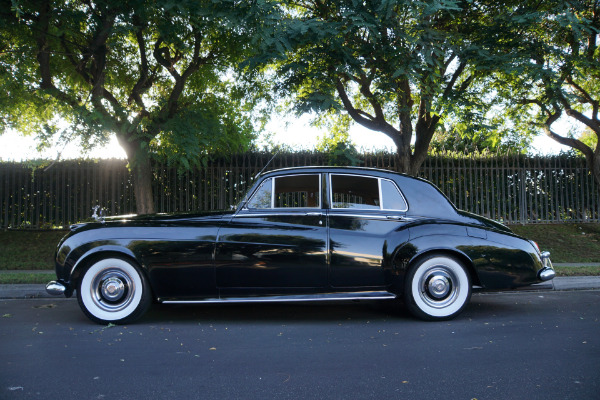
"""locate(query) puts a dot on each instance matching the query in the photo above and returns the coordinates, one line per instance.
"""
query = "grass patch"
(28, 249)
(22, 277)
(43, 278)
(572, 243)
(577, 271)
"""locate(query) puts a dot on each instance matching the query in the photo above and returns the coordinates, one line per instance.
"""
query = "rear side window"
(349, 191)
(362, 192)
(294, 191)
(392, 198)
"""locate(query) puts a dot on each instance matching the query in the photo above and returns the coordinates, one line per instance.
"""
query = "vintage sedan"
(300, 234)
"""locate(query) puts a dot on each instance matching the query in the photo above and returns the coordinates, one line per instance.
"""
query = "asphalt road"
(529, 345)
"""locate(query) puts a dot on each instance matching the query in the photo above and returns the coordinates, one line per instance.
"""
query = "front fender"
(72, 257)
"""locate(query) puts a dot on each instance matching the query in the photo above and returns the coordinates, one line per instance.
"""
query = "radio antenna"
(267, 164)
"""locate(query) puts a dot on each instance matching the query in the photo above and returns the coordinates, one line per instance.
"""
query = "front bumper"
(547, 272)
(56, 288)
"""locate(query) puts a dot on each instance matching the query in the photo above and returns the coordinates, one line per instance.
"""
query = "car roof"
(314, 168)
(423, 197)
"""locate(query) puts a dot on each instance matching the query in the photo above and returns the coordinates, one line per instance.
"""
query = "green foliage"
(561, 78)
(161, 73)
(336, 142)
(399, 67)
(163, 76)
(589, 138)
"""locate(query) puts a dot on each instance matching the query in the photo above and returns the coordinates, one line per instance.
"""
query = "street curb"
(565, 283)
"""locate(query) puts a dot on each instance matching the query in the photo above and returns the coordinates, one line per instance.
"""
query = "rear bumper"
(547, 272)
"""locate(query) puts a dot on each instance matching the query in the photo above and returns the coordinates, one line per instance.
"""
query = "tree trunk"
(594, 165)
(142, 186)
(141, 169)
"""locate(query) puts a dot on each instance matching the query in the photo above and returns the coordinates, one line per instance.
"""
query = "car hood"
(153, 219)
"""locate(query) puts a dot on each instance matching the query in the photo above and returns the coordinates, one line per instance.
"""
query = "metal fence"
(512, 189)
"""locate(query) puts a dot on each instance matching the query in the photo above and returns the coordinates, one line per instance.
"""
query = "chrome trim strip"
(301, 212)
(291, 298)
(370, 216)
(272, 192)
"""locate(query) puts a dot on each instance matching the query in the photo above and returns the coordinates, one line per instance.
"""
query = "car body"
(310, 233)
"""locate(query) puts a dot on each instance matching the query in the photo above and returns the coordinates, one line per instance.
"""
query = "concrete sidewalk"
(560, 283)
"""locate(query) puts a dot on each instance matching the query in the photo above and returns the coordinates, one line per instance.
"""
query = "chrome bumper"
(55, 288)
(547, 272)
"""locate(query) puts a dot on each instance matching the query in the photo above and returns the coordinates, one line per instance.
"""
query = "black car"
(312, 233)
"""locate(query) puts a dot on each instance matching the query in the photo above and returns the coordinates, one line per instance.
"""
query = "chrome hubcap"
(438, 286)
(112, 290)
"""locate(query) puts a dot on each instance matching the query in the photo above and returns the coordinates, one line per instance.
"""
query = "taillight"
(535, 245)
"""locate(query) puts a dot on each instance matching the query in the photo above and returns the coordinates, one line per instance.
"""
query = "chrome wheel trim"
(440, 287)
(111, 289)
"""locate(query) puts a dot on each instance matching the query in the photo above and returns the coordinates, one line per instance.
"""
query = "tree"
(562, 76)
(397, 67)
(158, 74)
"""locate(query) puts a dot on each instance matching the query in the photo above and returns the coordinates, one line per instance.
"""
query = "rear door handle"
(314, 214)
(395, 217)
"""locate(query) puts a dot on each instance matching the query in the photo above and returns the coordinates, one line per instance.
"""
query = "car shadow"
(277, 312)
(480, 306)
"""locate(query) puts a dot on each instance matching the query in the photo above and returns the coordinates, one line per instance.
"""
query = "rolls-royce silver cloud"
(300, 234)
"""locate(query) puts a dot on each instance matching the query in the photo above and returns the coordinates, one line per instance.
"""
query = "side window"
(392, 199)
(262, 197)
(295, 191)
(349, 191)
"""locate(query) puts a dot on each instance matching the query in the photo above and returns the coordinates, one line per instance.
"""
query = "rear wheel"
(438, 287)
(113, 290)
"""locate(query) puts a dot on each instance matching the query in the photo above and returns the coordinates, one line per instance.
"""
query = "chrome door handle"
(314, 214)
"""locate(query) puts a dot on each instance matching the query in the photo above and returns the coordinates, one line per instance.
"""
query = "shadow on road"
(481, 306)
(276, 312)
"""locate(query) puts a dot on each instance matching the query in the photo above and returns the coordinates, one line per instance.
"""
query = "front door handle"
(314, 214)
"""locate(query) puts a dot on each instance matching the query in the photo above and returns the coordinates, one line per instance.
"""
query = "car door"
(278, 240)
(364, 211)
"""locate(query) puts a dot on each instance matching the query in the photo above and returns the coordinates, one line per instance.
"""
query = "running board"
(291, 298)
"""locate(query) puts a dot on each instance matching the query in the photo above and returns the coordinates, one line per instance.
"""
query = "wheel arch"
(407, 256)
(99, 253)
(460, 256)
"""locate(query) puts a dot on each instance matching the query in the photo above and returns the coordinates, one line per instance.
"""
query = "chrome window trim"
(299, 211)
(379, 179)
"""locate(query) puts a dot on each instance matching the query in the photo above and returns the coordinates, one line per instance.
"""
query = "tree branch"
(363, 118)
(455, 76)
(365, 89)
(144, 82)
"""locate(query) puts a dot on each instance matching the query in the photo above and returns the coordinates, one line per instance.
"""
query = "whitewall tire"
(437, 287)
(113, 290)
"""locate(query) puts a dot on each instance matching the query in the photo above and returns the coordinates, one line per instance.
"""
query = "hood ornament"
(98, 214)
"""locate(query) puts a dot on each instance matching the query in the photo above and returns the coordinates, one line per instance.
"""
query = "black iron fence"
(512, 189)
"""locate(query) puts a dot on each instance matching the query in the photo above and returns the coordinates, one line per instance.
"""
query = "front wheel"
(437, 288)
(113, 290)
